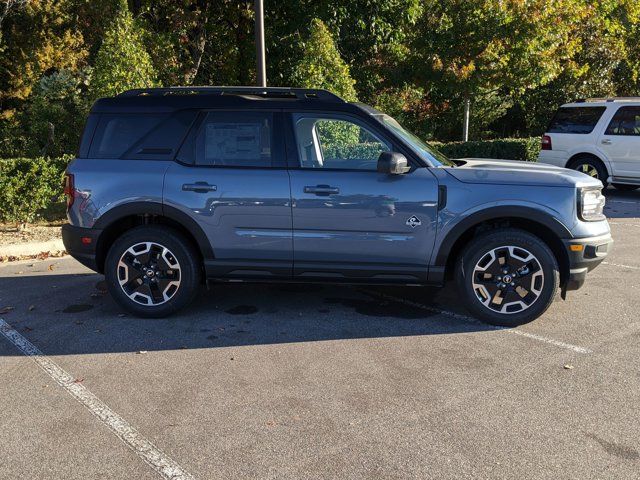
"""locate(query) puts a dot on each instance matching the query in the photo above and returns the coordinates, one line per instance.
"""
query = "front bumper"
(81, 244)
(585, 254)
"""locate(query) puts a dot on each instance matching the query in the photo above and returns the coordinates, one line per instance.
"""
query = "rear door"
(231, 177)
(349, 221)
(621, 142)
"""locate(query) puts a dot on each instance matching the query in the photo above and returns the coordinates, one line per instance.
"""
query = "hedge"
(30, 186)
(526, 149)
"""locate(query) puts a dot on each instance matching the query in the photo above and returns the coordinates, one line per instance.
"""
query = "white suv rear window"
(581, 120)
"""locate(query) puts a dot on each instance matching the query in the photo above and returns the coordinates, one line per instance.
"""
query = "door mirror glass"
(393, 163)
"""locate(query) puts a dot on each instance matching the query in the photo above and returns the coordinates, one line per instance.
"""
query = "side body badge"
(414, 221)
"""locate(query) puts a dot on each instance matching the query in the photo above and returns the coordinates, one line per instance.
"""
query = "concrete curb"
(27, 249)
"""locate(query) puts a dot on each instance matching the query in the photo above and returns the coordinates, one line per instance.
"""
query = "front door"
(349, 221)
(621, 142)
(232, 180)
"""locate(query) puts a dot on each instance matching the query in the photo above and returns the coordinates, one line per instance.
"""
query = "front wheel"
(507, 277)
(152, 271)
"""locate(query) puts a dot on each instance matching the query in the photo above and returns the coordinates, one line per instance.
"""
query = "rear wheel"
(590, 166)
(623, 187)
(152, 271)
(507, 277)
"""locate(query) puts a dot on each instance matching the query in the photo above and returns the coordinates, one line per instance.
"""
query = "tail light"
(69, 189)
(546, 142)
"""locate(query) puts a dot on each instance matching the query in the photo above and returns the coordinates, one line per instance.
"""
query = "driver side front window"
(335, 143)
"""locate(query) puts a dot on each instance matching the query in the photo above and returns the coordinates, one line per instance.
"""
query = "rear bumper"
(585, 254)
(81, 244)
(553, 157)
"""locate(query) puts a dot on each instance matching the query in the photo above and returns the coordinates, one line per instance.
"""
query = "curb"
(30, 249)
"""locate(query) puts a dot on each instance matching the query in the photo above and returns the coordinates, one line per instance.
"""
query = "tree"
(321, 65)
(475, 49)
(55, 115)
(122, 61)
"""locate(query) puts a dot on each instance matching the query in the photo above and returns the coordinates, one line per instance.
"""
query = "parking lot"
(340, 382)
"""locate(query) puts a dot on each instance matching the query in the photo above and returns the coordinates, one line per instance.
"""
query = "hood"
(510, 172)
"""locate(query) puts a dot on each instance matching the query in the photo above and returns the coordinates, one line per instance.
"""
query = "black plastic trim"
(494, 213)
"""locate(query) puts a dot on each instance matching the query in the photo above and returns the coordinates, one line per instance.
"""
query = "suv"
(599, 137)
(177, 186)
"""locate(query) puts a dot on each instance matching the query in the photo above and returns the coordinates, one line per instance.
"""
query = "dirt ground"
(11, 234)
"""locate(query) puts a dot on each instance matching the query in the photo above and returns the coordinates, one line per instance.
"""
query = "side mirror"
(392, 163)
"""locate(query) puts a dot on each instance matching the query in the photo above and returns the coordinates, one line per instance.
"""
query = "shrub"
(29, 186)
(526, 149)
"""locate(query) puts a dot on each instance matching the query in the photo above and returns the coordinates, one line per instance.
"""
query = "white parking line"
(625, 224)
(465, 318)
(146, 450)
(621, 265)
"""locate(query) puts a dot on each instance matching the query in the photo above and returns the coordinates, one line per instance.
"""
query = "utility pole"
(261, 70)
(465, 124)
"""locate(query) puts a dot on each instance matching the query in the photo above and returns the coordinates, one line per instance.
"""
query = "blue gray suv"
(174, 187)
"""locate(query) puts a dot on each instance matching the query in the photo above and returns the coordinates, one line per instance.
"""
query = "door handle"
(323, 190)
(199, 187)
(606, 141)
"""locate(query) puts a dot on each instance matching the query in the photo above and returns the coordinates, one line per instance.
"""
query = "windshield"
(426, 151)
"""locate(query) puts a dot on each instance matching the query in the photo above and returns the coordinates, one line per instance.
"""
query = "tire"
(591, 166)
(155, 262)
(532, 277)
(623, 187)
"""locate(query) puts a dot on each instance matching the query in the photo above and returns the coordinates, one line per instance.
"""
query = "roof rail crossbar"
(608, 99)
(266, 92)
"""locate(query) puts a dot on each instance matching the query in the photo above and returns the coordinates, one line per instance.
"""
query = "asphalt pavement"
(322, 382)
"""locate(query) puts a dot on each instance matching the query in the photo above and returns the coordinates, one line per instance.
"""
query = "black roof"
(169, 99)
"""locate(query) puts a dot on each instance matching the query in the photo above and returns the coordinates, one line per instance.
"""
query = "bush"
(29, 186)
(526, 149)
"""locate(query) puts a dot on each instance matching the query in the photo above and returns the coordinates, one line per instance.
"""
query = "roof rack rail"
(608, 99)
(264, 92)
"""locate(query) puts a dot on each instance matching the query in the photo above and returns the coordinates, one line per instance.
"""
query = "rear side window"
(626, 121)
(581, 120)
(140, 136)
(117, 133)
(235, 139)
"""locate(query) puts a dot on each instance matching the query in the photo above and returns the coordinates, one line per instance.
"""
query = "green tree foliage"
(56, 114)
(321, 65)
(122, 61)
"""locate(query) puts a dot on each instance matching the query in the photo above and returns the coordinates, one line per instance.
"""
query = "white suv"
(599, 137)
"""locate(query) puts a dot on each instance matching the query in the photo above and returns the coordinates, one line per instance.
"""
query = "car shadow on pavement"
(622, 204)
(79, 317)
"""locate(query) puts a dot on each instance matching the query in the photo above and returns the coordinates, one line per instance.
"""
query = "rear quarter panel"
(104, 184)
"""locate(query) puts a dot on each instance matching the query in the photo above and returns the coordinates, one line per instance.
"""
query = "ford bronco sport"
(173, 187)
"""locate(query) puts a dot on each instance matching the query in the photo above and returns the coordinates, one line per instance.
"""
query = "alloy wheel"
(149, 273)
(588, 169)
(508, 279)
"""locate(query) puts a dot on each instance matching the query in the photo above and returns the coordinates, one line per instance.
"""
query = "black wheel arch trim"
(497, 213)
(155, 208)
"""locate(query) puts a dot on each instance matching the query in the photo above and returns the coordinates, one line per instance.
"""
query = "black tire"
(588, 164)
(186, 273)
(623, 187)
(521, 287)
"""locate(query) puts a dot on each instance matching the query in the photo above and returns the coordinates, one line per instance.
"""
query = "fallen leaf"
(6, 310)
(568, 367)
(51, 267)
(78, 380)
(142, 351)
(32, 308)
(28, 329)
(19, 272)
(122, 315)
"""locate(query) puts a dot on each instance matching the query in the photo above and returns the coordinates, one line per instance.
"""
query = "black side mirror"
(392, 163)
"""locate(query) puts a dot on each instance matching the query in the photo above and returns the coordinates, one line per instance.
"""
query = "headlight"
(591, 204)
